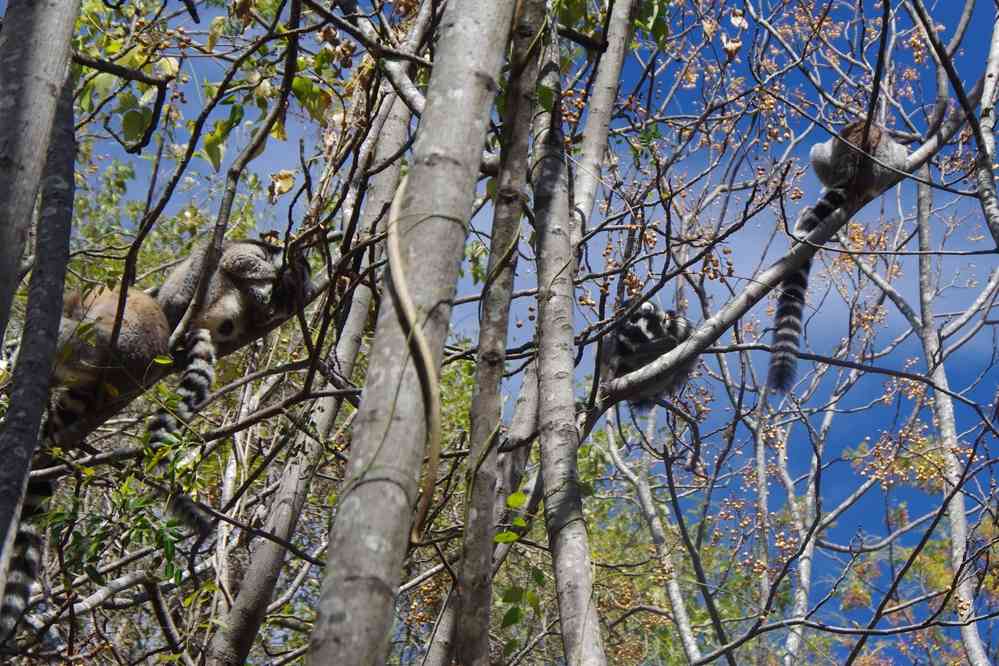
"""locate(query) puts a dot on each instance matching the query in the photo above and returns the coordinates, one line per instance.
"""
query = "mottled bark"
(598, 111)
(943, 413)
(30, 390)
(511, 466)
(34, 56)
(567, 535)
(369, 535)
(232, 643)
(474, 591)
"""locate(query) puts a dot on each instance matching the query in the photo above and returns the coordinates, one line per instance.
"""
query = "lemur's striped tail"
(26, 558)
(195, 384)
(789, 321)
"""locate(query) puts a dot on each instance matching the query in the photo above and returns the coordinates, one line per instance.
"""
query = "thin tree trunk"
(598, 111)
(30, 389)
(567, 536)
(640, 482)
(233, 642)
(369, 535)
(474, 591)
(943, 413)
(34, 56)
(511, 466)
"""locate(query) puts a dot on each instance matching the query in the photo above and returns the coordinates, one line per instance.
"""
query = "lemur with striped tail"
(641, 338)
(251, 287)
(845, 172)
(86, 377)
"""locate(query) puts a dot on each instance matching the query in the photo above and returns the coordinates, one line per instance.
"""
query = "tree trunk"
(474, 598)
(233, 642)
(567, 536)
(369, 535)
(30, 390)
(34, 56)
(598, 111)
(943, 413)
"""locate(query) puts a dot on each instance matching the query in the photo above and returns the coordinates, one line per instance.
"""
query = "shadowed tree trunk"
(474, 598)
(29, 394)
(34, 56)
(556, 355)
(370, 532)
(232, 643)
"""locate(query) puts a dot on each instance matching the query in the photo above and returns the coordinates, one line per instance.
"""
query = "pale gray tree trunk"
(34, 56)
(640, 482)
(943, 413)
(30, 388)
(474, 590)
(567, 535)
(370, 533)
(598, 111)
(232, 643)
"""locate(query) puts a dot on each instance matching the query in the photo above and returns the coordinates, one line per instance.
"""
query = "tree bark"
(233, 642)
(368, 538)
(646, 502)
(566, 526)
(598, 112)
(30, 390)
(34, 56)
(943, 413)
(474, 592)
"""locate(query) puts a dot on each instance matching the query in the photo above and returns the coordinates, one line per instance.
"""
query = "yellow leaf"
(168, 66)
(281, 183)
(218, 25)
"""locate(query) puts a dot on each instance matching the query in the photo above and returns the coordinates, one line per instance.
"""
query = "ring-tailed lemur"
(845, 172)
(645, 335)
(85, 377)
(250, 287)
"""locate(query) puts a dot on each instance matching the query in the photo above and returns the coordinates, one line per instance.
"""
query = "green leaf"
(313, 99)
(214, 150)
(134, 124)
(218, 25)
(546, 98)
(163, 359)
(533, 600)
(169, 67)
(519, 522)
(505, 536)
(516, 500)
(538, 576)
(513, 595)
(512, 617)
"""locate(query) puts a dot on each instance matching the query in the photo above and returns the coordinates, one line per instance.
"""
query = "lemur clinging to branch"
(845, 172)
(645, 335)
(250, 287)
(86, 376)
